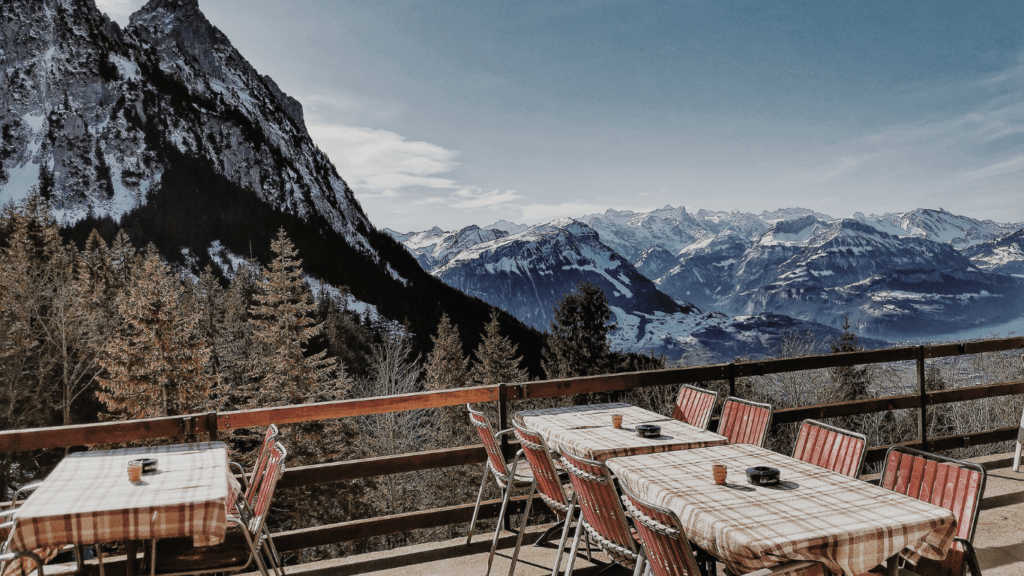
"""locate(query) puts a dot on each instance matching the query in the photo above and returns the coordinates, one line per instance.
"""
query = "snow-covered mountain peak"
(797, 232)
(506, 226)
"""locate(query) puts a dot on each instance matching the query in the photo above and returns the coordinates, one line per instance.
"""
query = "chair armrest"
(23, 490)
(8, 556)
(504, 432)
(970, 556)
(237, 469)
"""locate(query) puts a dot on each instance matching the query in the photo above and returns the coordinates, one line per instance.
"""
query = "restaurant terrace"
(1000, 511)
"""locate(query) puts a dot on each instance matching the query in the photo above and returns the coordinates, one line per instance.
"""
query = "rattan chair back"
(744, 421)
(830, 447)
(694, 406)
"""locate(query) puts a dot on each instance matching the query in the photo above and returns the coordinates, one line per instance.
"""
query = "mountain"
(918, 274)
(940, 226)
(164, 129)
(1004, 255)
(526, 273)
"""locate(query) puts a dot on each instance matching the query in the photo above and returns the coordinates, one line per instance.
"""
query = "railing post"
(211, 425)
(922, 414)
(732, 379)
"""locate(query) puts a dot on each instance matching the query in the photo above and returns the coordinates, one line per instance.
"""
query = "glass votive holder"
(135, 471)
(719, 472)
(617, 420)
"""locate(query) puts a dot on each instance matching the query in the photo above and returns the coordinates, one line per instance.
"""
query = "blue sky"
(457, 113)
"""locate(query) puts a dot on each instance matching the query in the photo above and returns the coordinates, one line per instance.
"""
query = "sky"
(456, 113)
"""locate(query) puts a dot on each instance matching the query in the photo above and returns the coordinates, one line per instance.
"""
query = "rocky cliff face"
(91, 112)
(165, 128)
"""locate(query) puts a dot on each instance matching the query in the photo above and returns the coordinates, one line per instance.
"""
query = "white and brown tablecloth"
(587, 431)
(814, 514)
(88, 499)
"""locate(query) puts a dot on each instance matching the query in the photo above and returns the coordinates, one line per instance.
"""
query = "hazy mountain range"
(920, 274)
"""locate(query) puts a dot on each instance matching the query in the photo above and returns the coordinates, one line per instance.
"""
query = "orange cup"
(135, 471)
(719, 472)
(617, 420)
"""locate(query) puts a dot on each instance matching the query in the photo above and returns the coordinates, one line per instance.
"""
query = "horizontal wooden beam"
(102, 433)
(370, 467)
(359, 529)
(789, 415)
(877, 453)
(358, 407)
(613, 382)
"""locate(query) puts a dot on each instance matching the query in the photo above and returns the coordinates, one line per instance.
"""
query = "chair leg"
(575, 546)
(548, 533)
(479, 498)
(522, 528)
(497, 528)
(565, 535)
(641, 560)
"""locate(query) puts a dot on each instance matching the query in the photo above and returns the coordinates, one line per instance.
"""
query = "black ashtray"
(648, 430)
(763, 475)
(148, 465)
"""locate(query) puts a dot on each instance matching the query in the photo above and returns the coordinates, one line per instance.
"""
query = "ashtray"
(648, 430)
(148, 465)
(763, 475)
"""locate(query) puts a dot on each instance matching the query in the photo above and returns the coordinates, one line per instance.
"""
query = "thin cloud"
(375, 160)
(474, 199)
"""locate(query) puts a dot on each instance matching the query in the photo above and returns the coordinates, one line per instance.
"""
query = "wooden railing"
(211, 424)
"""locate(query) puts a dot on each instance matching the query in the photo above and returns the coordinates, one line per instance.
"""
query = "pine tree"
(283, 323)
(578, 342)
(156, 360)
(851, 381)
(496, 360)
(447, 367)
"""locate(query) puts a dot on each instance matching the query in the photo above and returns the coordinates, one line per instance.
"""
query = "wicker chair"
(14, 562)
(838, 450)
(508, 478)
(745, 422)
(40, 557)
(601, 515)
(955, 485)
(245, 540)
(550, 487)
(250, 484)
(694, 406)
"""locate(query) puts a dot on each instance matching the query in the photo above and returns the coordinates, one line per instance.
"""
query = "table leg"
(892, 565)
(130, 547)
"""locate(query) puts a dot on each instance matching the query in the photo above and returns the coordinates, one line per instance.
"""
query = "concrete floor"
(999, 541)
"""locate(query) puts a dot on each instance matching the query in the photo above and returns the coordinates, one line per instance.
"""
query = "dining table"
(587, 431)
(89, 499)
(812, 514)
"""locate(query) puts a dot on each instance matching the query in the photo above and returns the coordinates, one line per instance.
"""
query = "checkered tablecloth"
(815, 514)
(587, 431)
(88, 499)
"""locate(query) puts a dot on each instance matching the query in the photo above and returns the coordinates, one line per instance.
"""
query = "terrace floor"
(999, 541)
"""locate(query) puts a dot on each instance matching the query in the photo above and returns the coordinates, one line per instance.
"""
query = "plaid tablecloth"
(815, 514)
(587, 431)
(88, 499)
